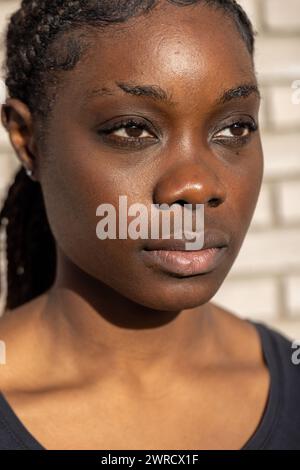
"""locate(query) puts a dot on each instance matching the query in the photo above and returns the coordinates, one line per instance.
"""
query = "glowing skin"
(134, 343)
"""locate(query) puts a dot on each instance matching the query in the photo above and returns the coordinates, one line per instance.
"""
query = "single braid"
(44, 38)
(31, 255)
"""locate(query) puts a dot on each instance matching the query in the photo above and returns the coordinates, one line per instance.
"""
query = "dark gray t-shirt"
(279, 427)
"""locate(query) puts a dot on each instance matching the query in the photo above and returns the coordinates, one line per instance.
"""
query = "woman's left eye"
(237, 130)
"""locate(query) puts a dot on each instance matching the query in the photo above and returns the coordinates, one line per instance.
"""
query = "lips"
(171, 256)
(212, 239)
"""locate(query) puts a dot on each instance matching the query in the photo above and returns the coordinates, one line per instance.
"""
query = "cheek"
(74, 185)
(244, 191)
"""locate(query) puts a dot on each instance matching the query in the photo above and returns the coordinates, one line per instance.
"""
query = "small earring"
(29, 172)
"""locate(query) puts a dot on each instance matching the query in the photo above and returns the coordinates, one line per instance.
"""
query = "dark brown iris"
(134, 131)
(237, 130)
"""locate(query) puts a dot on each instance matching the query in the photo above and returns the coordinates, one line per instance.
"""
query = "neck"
(99, 329)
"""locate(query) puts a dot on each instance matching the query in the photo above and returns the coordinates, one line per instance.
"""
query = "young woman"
(114, 343)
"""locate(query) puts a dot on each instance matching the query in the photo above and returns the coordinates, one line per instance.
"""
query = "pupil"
(237, 130)
(133, 131)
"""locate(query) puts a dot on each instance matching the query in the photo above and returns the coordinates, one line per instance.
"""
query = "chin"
(176, 294)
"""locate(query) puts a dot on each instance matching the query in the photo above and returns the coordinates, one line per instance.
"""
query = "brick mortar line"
(268, 127)
(277, 130)
(284, 132)
(263, 275)
(273, 33)
(261, 14)
(275, 204)
(291, 317)
(289, 321)
(291, 178)
(267, 124)
(271, 186)
(272, 227)
(289, 226)
(277, 81)
(282, 303)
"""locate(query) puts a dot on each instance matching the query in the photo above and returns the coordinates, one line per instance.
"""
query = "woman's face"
(186, 150)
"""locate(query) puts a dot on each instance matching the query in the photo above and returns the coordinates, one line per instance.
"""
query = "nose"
(190, 183)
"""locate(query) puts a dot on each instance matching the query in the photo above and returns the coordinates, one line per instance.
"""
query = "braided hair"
(44, 38)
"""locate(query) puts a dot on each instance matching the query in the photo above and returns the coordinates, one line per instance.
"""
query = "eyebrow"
(157, 93)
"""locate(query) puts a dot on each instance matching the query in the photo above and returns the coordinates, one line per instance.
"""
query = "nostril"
(214, 202)
(182, 202)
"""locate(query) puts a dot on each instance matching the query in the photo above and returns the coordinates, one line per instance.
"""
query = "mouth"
(171, 256)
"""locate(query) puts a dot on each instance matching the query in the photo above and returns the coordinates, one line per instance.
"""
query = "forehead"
(189, 51)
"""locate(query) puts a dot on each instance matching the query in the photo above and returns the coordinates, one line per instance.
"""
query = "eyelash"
(127, 123)
(239, 140)
(140, 141)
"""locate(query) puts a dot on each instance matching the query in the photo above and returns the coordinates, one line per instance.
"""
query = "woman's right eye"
(128, 133)
(132, 132)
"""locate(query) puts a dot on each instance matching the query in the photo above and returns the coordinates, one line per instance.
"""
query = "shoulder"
(256, 336)
(284, 353)
(10, 438)
(285, 350)
(283, 357)
(18, 339)
(280, 425)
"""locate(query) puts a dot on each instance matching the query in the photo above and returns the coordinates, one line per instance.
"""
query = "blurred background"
(264, 282)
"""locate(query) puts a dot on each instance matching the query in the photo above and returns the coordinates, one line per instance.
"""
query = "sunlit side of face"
(186, 150)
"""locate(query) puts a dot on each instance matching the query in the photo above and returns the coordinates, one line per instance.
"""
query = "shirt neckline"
(257, 441)
(13, 423)
(265, 427)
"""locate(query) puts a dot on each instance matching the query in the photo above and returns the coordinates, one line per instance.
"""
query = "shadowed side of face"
(185, 147)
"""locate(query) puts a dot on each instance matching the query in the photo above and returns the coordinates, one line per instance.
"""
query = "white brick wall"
(284, 115)
(281, 152)
(292, 295)
(238, 297)
(264, 282)
(282, 16)
(277, 57)
(264, 216)
(289, 201)
(269, 260)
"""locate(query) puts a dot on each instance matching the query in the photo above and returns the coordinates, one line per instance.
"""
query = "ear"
(17, 120)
